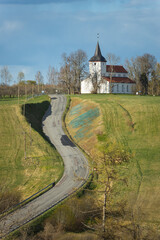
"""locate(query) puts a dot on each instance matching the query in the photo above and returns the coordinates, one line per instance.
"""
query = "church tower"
(97, 64)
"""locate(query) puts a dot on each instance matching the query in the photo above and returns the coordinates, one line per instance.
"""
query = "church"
(106, 78)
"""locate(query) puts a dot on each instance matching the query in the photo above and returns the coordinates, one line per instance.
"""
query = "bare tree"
(154, 84)
(145, 64)
(65, 75)
(52, 75)
(112, 60)
(20, 77)
(78, 62)
(73, 70)
(96, 82)
(39, 79)
(6, 77)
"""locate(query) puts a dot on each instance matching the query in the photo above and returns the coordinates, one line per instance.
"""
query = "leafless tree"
(65, 75)
(145, 64)
(20, 77)
(112, 60)
(52, 75)
(39, 79)
(78, 62)
(154, 83)
(5, 76)
(73, 70)
(96, 82)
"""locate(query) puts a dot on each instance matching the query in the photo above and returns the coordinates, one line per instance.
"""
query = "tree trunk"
(104, 211)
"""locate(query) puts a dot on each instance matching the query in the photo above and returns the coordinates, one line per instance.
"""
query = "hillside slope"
(27, 161)
(133, 122)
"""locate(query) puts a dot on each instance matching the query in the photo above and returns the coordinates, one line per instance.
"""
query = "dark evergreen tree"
(144, 83)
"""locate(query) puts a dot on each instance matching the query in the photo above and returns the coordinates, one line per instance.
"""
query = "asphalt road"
(75, 172)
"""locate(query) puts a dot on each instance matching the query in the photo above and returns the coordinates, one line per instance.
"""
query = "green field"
(134, 123)
(41, 165)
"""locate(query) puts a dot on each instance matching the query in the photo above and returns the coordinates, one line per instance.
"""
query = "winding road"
(75, 172)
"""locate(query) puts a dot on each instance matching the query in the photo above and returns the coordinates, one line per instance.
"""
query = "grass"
(42, 164)
(134, 123)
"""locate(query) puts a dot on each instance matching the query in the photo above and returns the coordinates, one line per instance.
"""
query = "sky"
(35, 33)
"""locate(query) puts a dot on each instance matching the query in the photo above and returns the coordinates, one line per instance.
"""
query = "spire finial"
(97, 37)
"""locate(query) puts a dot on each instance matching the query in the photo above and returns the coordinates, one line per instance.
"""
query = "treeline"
(144, 70)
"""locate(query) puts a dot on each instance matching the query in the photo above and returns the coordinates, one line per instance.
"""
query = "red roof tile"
(116, 69)
(119, 80)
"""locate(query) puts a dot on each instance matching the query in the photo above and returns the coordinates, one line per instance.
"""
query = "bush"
(8, 199)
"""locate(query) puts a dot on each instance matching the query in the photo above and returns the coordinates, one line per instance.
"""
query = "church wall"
(86, 86)
(97, 67)
(107, 74)
(104, 87)
(123, 88)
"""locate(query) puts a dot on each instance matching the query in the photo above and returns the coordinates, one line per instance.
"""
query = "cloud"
(10, 26)
(21, 2)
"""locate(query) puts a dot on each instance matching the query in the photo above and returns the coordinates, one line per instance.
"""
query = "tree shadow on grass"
(35, 113)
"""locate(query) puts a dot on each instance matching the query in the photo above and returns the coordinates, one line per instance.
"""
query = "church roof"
(116, 69)
(119, 80)
(97, 55)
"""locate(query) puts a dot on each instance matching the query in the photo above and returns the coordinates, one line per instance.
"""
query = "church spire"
(97, 55)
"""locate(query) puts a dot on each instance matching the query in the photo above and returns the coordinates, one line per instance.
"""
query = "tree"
(110, 155)
(78, 60)
(65, 73)
(105, 162)
(139, 66)
(52, 75)
(73, 70)
(147, 64)
(39, 79)
(144, 83)
(6, 77)
(96, 82)
(20, 77)
(154, 84)
(112, 59)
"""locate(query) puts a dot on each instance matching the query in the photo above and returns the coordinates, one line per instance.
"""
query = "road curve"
(75, 172)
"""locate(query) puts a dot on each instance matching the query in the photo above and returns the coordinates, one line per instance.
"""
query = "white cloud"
(144, 3)
(10, 26)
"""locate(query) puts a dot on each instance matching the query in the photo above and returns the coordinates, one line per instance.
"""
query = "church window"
(127, 88)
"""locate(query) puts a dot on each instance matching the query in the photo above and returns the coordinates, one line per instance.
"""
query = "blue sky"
(35, 33)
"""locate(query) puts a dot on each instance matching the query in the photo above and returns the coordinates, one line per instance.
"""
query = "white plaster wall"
(86, 86)
(107, 74)
(122, 88)
(104, 88)
(97, 67)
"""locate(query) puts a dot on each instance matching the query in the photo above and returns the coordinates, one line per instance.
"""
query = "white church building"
(106, 78)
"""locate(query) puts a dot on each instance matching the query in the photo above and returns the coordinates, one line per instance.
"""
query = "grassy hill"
(132, 122)
(41, 165)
